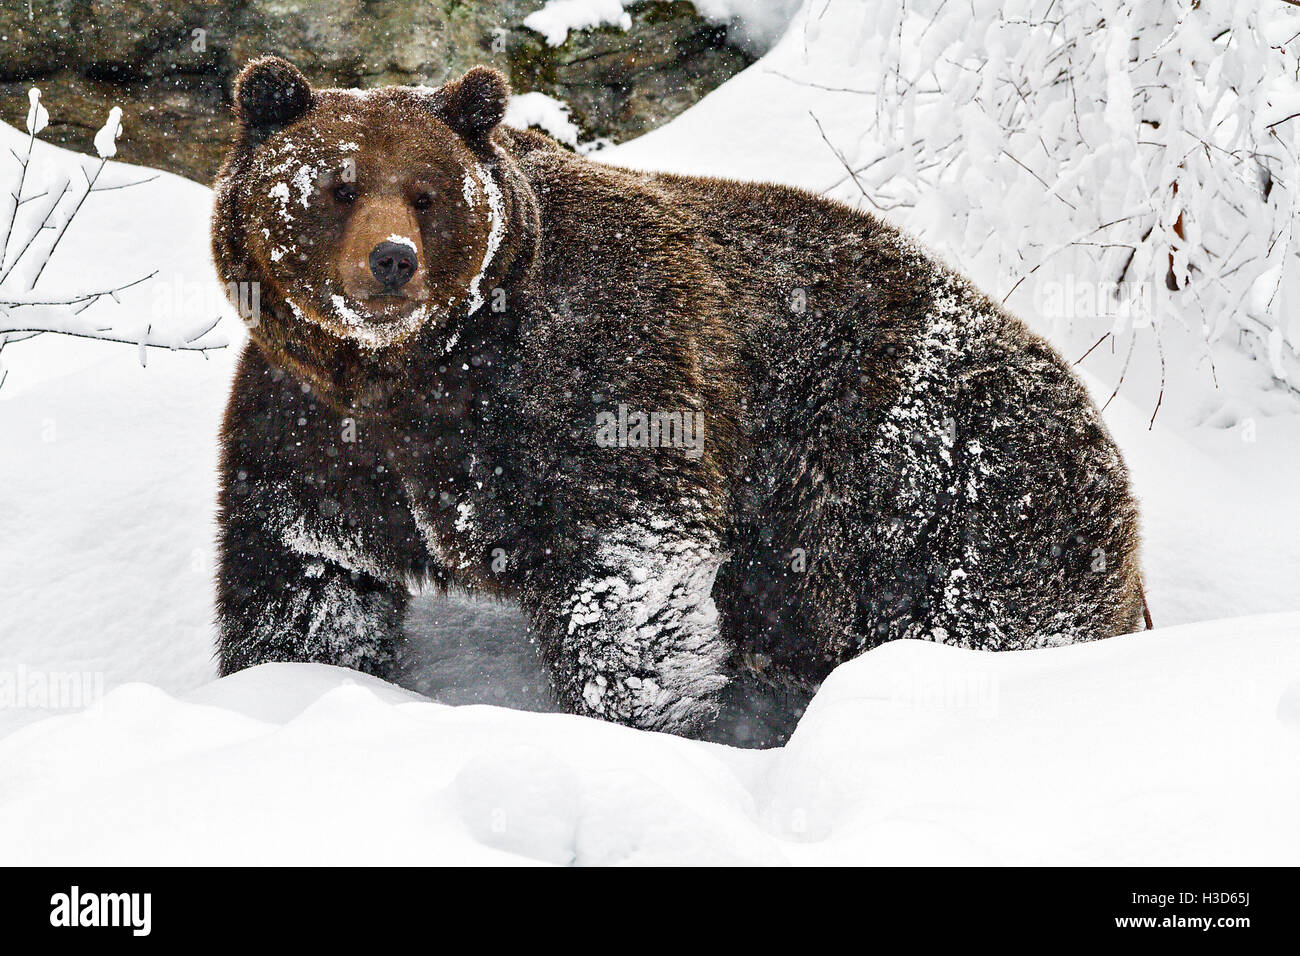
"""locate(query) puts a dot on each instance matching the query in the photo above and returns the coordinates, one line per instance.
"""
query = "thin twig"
(1070, 245)
(849, 169)
(1160, 347)
(30, 198)
(1050, 190)
(87, 296)
(138, 182)
(1124, 370)
(90, 186)
(22, 178)
(44, 224)
(1094, 345)
(103, 335)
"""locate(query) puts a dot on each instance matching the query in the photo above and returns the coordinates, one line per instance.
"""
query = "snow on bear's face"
(369, 213)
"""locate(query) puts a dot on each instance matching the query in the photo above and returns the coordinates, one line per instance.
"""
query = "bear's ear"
(270, 93)
(474, 104)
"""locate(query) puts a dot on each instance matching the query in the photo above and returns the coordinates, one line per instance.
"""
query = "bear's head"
(368, 217)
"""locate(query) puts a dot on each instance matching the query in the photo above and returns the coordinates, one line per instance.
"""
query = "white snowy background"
(1180, 745)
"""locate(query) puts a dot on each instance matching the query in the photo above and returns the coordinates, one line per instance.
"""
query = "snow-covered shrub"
(38, 204)
(1149, 147)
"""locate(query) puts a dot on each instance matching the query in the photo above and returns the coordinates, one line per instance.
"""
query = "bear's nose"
(392, 264)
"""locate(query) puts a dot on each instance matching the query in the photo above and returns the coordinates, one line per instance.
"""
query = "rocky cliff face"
(169, 63)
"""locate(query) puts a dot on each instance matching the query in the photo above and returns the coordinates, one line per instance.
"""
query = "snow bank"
(1135, 750)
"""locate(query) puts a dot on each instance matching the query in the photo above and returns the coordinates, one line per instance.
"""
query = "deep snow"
(1178, 746)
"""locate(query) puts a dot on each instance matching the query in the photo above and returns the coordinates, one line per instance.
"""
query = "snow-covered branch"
(1151, 149)
(40, 208)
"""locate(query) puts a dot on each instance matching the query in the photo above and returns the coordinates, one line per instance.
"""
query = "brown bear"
(696, 428)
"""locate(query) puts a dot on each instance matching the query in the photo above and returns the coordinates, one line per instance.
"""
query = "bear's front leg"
(316, 538)
(292, 590)
(630, 630)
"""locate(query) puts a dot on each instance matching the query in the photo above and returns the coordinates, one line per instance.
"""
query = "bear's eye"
(345, 193)
(423, 202)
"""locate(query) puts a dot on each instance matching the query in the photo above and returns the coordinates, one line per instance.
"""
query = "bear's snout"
(392, 264)
(380, 258)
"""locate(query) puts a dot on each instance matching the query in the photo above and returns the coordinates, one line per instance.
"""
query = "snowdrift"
(1176, 747)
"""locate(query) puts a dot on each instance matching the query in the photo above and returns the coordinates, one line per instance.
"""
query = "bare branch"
(90, 297)
(138, 182)
(1090, 351)
(1051, 191)
(1160, 347)
(67, 222)
(149, 340)
(44, 224)
(18, 193)
(849, 169)
(1123, 372)
(62, 314)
